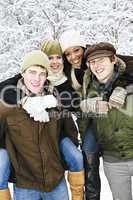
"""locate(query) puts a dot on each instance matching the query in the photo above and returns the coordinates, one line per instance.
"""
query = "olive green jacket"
(114, 131)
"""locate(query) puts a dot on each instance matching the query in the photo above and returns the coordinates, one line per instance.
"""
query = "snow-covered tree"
(24, 24)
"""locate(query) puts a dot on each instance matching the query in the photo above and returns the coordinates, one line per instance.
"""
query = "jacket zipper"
(42, 160)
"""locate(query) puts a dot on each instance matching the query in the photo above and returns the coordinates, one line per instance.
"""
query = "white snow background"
(24, 24)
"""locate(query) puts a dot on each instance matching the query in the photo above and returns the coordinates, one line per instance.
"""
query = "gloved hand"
(35, 106)
(102, 107)
(117, 98)
(40, 116)
(94, 105)
(88, 105)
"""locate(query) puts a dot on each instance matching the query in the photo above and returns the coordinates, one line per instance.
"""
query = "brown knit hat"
(99, 50)
(51, 47)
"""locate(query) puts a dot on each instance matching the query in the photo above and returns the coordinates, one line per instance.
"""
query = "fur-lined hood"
(121, 65)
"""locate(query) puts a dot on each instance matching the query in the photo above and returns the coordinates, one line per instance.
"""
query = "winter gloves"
(36, 107)
(97, 106)
(117, 98)
(94, 105)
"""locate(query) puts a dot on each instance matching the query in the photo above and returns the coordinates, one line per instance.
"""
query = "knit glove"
(88, 105)
(117, 98)
(36, 107)
(94, 105)
(40, 116)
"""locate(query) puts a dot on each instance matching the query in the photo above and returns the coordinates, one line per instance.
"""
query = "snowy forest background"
(24, 24)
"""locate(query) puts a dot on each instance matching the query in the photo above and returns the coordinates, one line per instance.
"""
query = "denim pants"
(60, 193)
(72, 155)
(89, 144)
(4, 169)
(119, 176)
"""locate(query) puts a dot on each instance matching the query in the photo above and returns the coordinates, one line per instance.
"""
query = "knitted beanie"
(51, 47)
(35, 57)
(71, 38)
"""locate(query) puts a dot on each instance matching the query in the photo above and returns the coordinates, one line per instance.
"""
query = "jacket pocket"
(20, 125)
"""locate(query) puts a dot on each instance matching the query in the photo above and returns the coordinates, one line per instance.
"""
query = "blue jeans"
(72, 155)
(4, 169)
(60, 192)
(89, 144)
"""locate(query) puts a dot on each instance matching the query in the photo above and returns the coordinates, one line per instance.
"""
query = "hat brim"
(99, 54)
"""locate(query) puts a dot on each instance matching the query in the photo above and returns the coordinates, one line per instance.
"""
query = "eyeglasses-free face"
(56, 63)
(74, 56)
(34, 78)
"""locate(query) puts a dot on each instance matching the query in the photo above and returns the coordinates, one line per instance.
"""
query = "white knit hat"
(71, 38)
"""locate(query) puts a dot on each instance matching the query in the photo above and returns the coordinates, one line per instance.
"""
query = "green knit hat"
(35, 57)
(51, 47)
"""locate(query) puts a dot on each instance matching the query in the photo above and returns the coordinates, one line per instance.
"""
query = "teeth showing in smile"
(55, 67)
(99, 71)
(35, 85)
(76, 61)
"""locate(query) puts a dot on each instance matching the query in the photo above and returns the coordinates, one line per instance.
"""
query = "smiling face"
(56, 63)
(74, 56)
(34, 78)
(102, 68)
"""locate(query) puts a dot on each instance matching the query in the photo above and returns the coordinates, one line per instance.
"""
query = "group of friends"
(71, 104)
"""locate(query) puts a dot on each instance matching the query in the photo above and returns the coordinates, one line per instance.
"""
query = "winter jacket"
(129, 64)
(10, 95)
(69, 98)
(3, 130)
(8, 90)
(114, 131)
(34, 148)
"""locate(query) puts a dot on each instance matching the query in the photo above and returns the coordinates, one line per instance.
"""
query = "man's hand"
(102, 107)
(36, 106)
(94, 105)
(117, 98)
